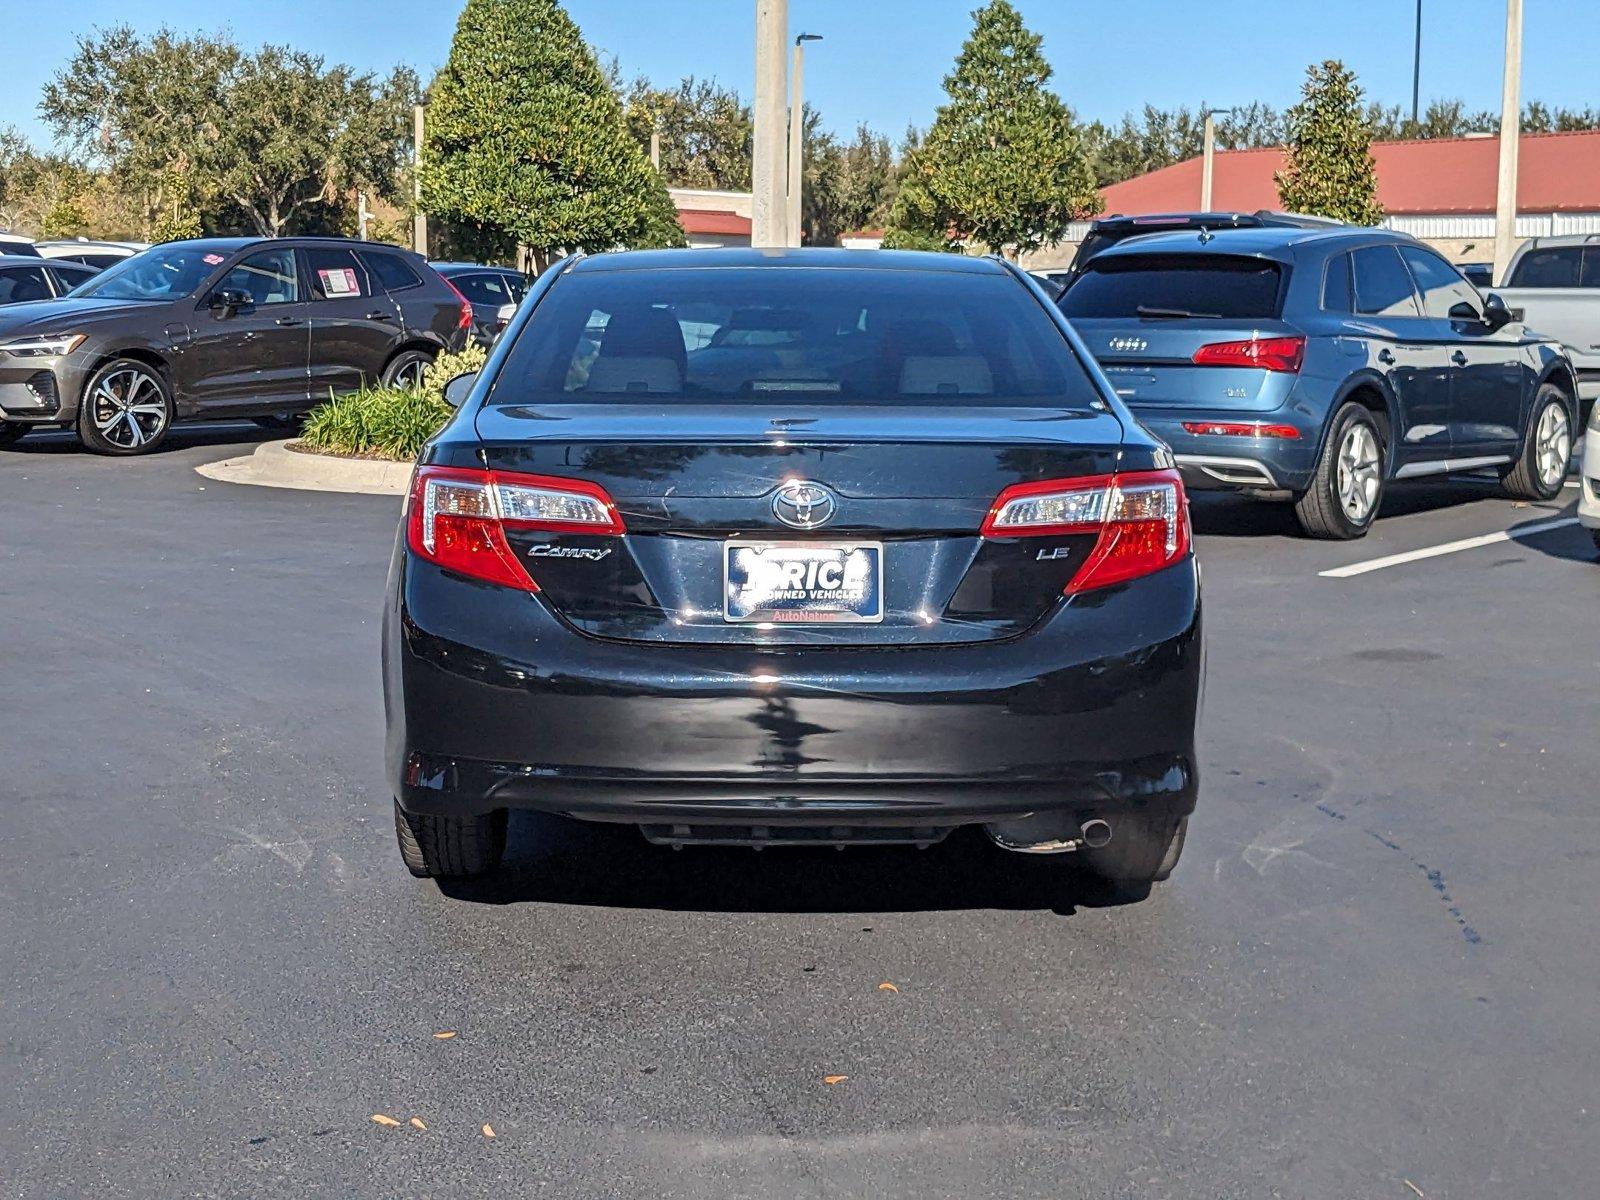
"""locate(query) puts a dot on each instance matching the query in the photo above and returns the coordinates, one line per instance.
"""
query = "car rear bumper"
(1589, 481)
(492, 702)
(1230, 461)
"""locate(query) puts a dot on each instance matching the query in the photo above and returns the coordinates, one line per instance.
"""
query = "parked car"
(1317, 365)
(1589, 484)
(1554, 282)
(221, 327)
(16, 243)
(1108, 231)
(98, 255)
(24, 278)
(918, 569)
(488, 290)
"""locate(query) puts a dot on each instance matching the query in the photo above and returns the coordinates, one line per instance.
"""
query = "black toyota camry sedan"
(794, 548)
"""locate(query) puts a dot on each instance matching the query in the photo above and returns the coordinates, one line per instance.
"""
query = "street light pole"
(1416, 70)
(1208, 158)
(1505, 205)
(797, 123)
(767, 209)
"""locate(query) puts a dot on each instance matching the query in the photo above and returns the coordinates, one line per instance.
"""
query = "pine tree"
(1328, 169)
(526, 142)
(1004, 164)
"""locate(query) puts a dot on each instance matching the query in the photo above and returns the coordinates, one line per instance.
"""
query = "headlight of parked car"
(49, 346)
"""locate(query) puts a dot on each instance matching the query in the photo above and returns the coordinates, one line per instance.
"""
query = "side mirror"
(1495, 312)
(459, 388)
(1467, 312)
(228, 300)
(503, 315)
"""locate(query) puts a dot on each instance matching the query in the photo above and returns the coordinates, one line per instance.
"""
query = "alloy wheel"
(1552, 445)
(1359, 475)
(408, 376)
(127, 408)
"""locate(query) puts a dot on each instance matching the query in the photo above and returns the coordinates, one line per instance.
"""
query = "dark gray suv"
(221, 328)
(1318, 365)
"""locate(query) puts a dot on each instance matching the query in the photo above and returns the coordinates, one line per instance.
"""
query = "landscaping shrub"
(391, 423)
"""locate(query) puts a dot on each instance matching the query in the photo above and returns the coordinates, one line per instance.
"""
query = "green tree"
(527, 144)
(706, 132)
(868, 181)
(1004, 165)
(261, 138)
(1328, 167)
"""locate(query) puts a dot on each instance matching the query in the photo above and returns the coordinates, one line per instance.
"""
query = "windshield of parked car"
(793, 334)
(160, 273)
(1175, 286)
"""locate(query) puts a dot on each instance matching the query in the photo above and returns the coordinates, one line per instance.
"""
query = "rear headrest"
(644, 332)
(643, 374)
(946, 375)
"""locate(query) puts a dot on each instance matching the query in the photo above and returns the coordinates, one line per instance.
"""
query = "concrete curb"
(274, 465)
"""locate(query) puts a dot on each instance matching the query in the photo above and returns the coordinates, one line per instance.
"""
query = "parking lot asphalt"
(1374, 973)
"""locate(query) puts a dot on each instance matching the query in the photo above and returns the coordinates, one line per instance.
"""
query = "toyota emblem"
(802, 505)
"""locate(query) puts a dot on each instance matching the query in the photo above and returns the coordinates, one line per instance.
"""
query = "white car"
(1589, 478)
(98, 255)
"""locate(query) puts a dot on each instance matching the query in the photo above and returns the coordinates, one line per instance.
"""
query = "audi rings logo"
(803, 505)
(1126, 344)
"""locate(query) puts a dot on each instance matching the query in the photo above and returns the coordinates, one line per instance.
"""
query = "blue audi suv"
(1319, 365)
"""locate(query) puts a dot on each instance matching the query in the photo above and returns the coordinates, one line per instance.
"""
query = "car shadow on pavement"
(1229, 514)
(182, 437)
(556, 861)
(1570, 542)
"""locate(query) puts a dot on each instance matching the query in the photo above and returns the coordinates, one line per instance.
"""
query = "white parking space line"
(1472, 543)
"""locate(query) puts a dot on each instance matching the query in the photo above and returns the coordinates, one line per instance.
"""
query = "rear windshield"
(784, 335)
(1175, 285)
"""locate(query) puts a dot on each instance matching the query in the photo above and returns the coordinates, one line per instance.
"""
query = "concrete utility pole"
(797, 125)
(1505, 203)
(767, 202)
(419, 219)
(363, 214)
(1208, 158)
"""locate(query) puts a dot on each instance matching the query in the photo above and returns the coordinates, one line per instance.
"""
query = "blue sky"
(882, 61)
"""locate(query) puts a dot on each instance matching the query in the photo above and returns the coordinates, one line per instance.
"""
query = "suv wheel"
(434, 846)
(406, 370)
(126, 408)
(11, 431)
(1347, 488)
(1541, 468)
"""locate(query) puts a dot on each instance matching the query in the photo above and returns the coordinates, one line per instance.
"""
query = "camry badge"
(802, 505)
(1128, 343)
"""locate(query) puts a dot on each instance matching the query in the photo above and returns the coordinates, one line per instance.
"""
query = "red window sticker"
(339, 281)
(212, 259)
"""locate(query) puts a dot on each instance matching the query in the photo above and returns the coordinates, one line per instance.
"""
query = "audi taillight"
(1140, 521)
(464, 321)
(457, 518)
(1263, 354)
(1255, 429)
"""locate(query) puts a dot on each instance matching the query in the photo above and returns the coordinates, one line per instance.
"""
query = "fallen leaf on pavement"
(444, 1034)
(886, 986)
(417, 1123)
(830, 1080)
(380, 1119)
(488, 1131)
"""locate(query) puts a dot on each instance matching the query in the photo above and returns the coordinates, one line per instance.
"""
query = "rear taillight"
(1141, 520)
(1264, 354)
(457, 517)
(465, 319)
(1258, 429)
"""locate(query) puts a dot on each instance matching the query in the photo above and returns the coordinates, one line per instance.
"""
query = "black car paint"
(1077, 707)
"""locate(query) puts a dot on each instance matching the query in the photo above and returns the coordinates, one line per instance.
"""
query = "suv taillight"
(1141, 520)
(457, 517)
(465, 320)
(1264, 354)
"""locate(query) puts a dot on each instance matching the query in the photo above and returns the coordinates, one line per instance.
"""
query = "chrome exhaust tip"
(1096, 833)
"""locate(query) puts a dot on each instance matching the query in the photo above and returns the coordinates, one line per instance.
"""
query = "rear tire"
(12, 432)
(406, 369)
(436, 847)
(1347, 488)
(1142, 851)
(1546, 456)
